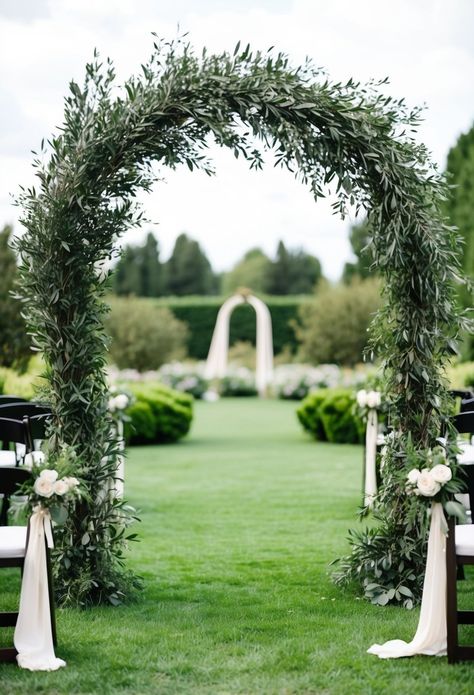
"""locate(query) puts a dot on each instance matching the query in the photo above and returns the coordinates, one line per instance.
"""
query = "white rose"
(374, 399)
(48, 474)
(426, 484)
(71, 482)
(60, 487)
(413, 476)
(361, 397)
(111, 405)
(43, 487)
(441, 473)
(121, 401)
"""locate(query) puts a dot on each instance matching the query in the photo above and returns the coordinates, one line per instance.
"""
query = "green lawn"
(239, 524)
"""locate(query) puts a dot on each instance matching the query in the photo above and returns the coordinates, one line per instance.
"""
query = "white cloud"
(425, 48)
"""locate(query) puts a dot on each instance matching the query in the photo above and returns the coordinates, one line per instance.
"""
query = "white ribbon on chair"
(33, 637)
(370, 477)
(431, 635)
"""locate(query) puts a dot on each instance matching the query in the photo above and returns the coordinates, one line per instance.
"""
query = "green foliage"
(293, 272)
(143, 335)
(459, 209)
(15, 348)
(329, 415)
(252, 272)
(334, 326)
(188, 270)
(359, 236)
(139, 271)
(159, 415)
(349, 134)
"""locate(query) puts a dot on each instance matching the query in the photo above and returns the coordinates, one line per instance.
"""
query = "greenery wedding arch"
(346, 136)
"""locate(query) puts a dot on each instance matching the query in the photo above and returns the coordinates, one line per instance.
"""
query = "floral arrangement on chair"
(52, 487)
(432, 477)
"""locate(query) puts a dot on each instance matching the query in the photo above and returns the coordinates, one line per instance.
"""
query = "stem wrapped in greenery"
(348, 135)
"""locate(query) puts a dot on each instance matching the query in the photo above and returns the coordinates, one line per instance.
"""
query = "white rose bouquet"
(432, 477)
(52, 486)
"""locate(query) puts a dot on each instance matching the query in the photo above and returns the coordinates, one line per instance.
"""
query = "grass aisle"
(239, 524)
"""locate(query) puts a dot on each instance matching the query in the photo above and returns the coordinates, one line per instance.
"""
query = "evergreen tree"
(188, 270)
(139, 271)
(359, 236)
(14, 342)
(293, 272)
(252, 272)
(459, 209)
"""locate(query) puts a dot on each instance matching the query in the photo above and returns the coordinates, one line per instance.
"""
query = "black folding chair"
(459, 552)
(14, 539)
(18, 411)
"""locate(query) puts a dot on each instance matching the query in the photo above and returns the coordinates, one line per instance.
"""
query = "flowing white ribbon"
(33, 636)
(120, 472)
(370, 478)
(431, 635)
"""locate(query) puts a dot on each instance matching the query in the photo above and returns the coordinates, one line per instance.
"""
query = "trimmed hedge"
(159, 415)
(329, 415)
(200, 314)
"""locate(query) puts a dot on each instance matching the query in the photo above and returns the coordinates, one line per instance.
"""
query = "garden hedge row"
(200, 314)
(328, 415)
(159, 415)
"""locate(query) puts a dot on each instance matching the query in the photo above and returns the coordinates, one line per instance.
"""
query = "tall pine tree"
(188, 270)
(14, 342)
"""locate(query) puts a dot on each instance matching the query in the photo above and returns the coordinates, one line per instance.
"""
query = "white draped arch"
(216, 364)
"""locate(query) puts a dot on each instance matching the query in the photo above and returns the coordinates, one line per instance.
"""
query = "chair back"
(18, 410)
(11, 478)
(464, 423)
(37, 425)
(467, 405)
(4, 400)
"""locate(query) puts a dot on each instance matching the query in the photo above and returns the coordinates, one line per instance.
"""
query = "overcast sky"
(424, 47)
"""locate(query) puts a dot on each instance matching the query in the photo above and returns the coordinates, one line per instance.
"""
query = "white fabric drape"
(120, 473)
(370, 478)
(431, 635)
(33, 637)
(216, 363)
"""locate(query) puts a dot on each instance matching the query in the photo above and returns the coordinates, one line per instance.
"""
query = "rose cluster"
(429, 481)
(118, 402)
(369, 399)
(48, 483)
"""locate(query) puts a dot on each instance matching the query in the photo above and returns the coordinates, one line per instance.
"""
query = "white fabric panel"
(33, 637)
(371, 438)
(7, 459)
(216, 364)
(465, 539)
(431, 634)
(12, 541)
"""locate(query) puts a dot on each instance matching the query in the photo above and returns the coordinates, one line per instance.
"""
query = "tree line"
(141, 272)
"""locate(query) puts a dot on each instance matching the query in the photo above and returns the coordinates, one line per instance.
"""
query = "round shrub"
(159, 415)
(340, 423)
(144, 336)
(329, 415)
(141, 427)
(309, 414)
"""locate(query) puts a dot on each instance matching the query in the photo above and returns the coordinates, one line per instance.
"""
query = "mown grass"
(239, 525)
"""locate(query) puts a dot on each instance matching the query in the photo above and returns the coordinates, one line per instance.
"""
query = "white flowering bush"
(185, 378)
(53, 485)
(295, 381)
(238, 382)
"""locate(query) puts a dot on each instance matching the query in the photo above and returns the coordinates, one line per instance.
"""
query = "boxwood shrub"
(329, 415)
(159, 415)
